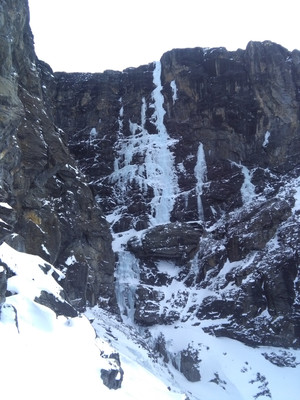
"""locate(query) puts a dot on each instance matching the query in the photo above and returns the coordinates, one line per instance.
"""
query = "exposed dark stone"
(255, 227)
(147, 308)
(241, 108)
(282, 359)
(178, 241)
(60, 307)
(112, 377)
(3, 284)
(51, 211)
(189, 364)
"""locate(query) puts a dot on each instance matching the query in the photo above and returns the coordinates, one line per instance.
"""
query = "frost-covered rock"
(113, 375)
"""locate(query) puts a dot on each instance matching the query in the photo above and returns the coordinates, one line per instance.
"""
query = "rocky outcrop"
(210, 138)
(112, 376)
(241, 106)
(47, 208)
(188, 363)
(175, 241)
(194, 160)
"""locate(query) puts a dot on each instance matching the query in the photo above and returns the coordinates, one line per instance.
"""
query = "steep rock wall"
(204, 140)
(46, 207)
(194, 160)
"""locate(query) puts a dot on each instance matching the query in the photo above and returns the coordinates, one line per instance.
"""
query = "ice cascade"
(127, 274)
(157, 169)
(143, 160)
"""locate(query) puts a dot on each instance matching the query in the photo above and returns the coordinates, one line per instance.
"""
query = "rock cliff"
(46, 206)
(193, 159)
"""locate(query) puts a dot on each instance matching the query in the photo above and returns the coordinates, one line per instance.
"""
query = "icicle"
(120, 118)
(93, 135)
(200, 174)
(247, 189)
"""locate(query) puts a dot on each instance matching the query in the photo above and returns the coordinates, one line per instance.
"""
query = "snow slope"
(48, 356)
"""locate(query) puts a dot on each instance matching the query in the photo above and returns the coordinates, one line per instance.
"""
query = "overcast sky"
(94, 35)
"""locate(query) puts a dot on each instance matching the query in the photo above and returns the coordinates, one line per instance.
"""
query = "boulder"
(56, 304)
(187, 362)
(112, 376)
(174, 241)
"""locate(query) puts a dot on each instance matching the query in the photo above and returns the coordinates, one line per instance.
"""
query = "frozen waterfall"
(143, 160)
(157, 169)
(200, 174)
(127, 274)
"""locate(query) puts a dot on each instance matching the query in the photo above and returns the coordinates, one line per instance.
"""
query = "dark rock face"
(197, 154)
(188, 362)
(48, 208)
(112, 377)
(204, 135)
(58, 306)
(3, 284)
(176, 241)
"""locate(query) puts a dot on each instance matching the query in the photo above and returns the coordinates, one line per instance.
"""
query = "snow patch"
(45, 249)
(70, 260)
(168, 267)
(5, 205)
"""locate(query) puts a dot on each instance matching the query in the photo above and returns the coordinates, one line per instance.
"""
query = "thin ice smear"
(266, 139)
(174, 91)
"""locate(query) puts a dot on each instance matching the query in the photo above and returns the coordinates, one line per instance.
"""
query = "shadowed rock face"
(48, 208)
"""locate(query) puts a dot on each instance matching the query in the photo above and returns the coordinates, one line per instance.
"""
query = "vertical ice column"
(120, 132)
(127, 279)
(160, 166)
(200, 174)
(157, 170)
(247, 189)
